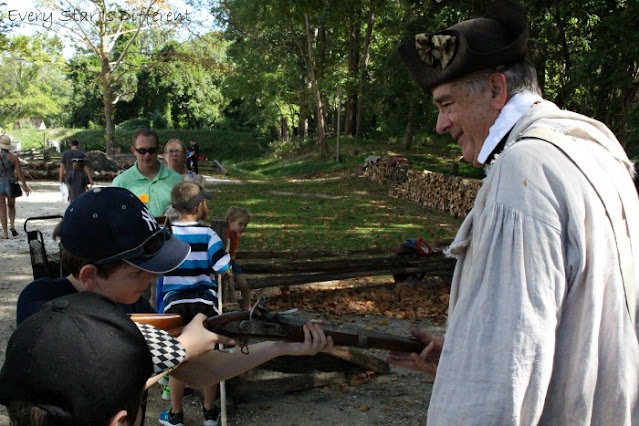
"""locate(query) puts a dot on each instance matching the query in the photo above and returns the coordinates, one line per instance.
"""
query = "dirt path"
(400, 397)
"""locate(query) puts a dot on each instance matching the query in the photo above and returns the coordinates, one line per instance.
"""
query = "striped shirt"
(206, 259)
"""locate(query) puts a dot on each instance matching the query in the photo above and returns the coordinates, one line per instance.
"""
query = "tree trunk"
(353, 68)
(364, 71)
(319, 107)
(107, 99)
(410, 125)
(284, 128)
(302, 125)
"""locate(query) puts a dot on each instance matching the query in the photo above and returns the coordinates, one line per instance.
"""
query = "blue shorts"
(4, 187)
(189, 303)
(235, 267)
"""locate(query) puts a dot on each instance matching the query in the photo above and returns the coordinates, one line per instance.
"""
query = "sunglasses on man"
(143, 151)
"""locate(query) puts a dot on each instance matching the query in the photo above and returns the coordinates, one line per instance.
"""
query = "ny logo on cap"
(150, 220)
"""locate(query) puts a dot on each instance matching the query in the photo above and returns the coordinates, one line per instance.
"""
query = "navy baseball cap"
(109, 224)
(80, 358)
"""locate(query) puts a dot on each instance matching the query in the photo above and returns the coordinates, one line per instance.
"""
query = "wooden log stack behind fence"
(453, 194)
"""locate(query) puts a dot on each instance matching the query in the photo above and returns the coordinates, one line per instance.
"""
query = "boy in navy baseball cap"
(56, 358)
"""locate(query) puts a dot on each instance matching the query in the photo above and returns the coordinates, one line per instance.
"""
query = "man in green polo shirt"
(148, 179)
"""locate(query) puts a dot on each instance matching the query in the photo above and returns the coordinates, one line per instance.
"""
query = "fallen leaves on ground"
(412, 302)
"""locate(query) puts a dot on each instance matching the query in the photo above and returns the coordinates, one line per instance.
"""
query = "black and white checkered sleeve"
(166, 352)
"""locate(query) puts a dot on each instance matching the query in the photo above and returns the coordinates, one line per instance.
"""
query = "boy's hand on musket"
(315, 341)
(197, 340)
(426, 361)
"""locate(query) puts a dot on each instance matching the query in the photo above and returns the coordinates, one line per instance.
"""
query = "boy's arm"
(88, 171)
(61, 172)
(169, 352)
(217, 366)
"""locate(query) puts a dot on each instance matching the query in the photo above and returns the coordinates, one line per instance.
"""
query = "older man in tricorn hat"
(542, 324)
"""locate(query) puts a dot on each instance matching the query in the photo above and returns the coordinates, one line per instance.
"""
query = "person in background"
(237, 219)
(147, 178)
(193, 156)
(191, 288)
(542, 323)
(66, 164)
(103, 377)
(175, 157)
(77, 179)
(9, 170)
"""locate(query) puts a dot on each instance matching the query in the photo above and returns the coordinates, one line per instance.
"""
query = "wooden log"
(437, 246)
(360, 358)
(297, 279)
(258, 383)
(329, 266)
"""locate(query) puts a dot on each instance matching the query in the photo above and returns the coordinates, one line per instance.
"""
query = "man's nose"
(443, 123)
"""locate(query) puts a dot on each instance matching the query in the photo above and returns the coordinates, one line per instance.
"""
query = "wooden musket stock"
(236, 324)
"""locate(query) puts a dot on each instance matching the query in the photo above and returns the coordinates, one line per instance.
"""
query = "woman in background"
(9, 171)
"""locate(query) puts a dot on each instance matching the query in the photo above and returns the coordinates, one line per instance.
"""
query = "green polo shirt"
(154, 193)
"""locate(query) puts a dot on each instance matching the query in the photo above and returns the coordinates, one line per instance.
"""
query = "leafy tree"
(32, 79)
(109, 30)
(181, 86)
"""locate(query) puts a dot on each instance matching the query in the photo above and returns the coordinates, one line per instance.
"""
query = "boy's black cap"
(498, 38)
(105, 222)
(80, 358)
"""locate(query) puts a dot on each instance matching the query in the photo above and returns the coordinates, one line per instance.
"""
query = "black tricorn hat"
(498, 38)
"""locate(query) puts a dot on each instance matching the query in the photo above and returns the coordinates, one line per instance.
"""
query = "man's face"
(143, 143)
(174, 156)
(464, 116)
(126, 284)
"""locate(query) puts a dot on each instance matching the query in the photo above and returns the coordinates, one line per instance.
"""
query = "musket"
(259, 323)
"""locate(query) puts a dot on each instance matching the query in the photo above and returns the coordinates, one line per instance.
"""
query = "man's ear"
(88, 277)
(498, 90)
(119, 419)
(133, 150)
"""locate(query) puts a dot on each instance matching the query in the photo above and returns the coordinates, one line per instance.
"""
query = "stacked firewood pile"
(453, 194)
(391, 169)
(38, 167)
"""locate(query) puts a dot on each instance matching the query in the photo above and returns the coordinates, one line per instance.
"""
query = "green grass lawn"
(301, 200)
(334, 213)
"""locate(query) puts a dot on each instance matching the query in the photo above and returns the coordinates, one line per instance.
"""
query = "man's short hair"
(80, 360)
(520, 76)
(74, 142)
(145, 132)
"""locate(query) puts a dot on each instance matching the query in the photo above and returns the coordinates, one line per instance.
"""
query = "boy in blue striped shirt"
(191, 288)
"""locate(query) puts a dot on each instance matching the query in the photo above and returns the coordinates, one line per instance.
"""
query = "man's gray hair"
(520, 76)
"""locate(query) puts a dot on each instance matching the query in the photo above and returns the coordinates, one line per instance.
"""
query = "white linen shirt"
(538, 329)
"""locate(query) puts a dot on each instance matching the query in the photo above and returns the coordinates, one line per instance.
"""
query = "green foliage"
(252, 72)
(32, 83)
(215, 144)
(182, 87)
(134, 124)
